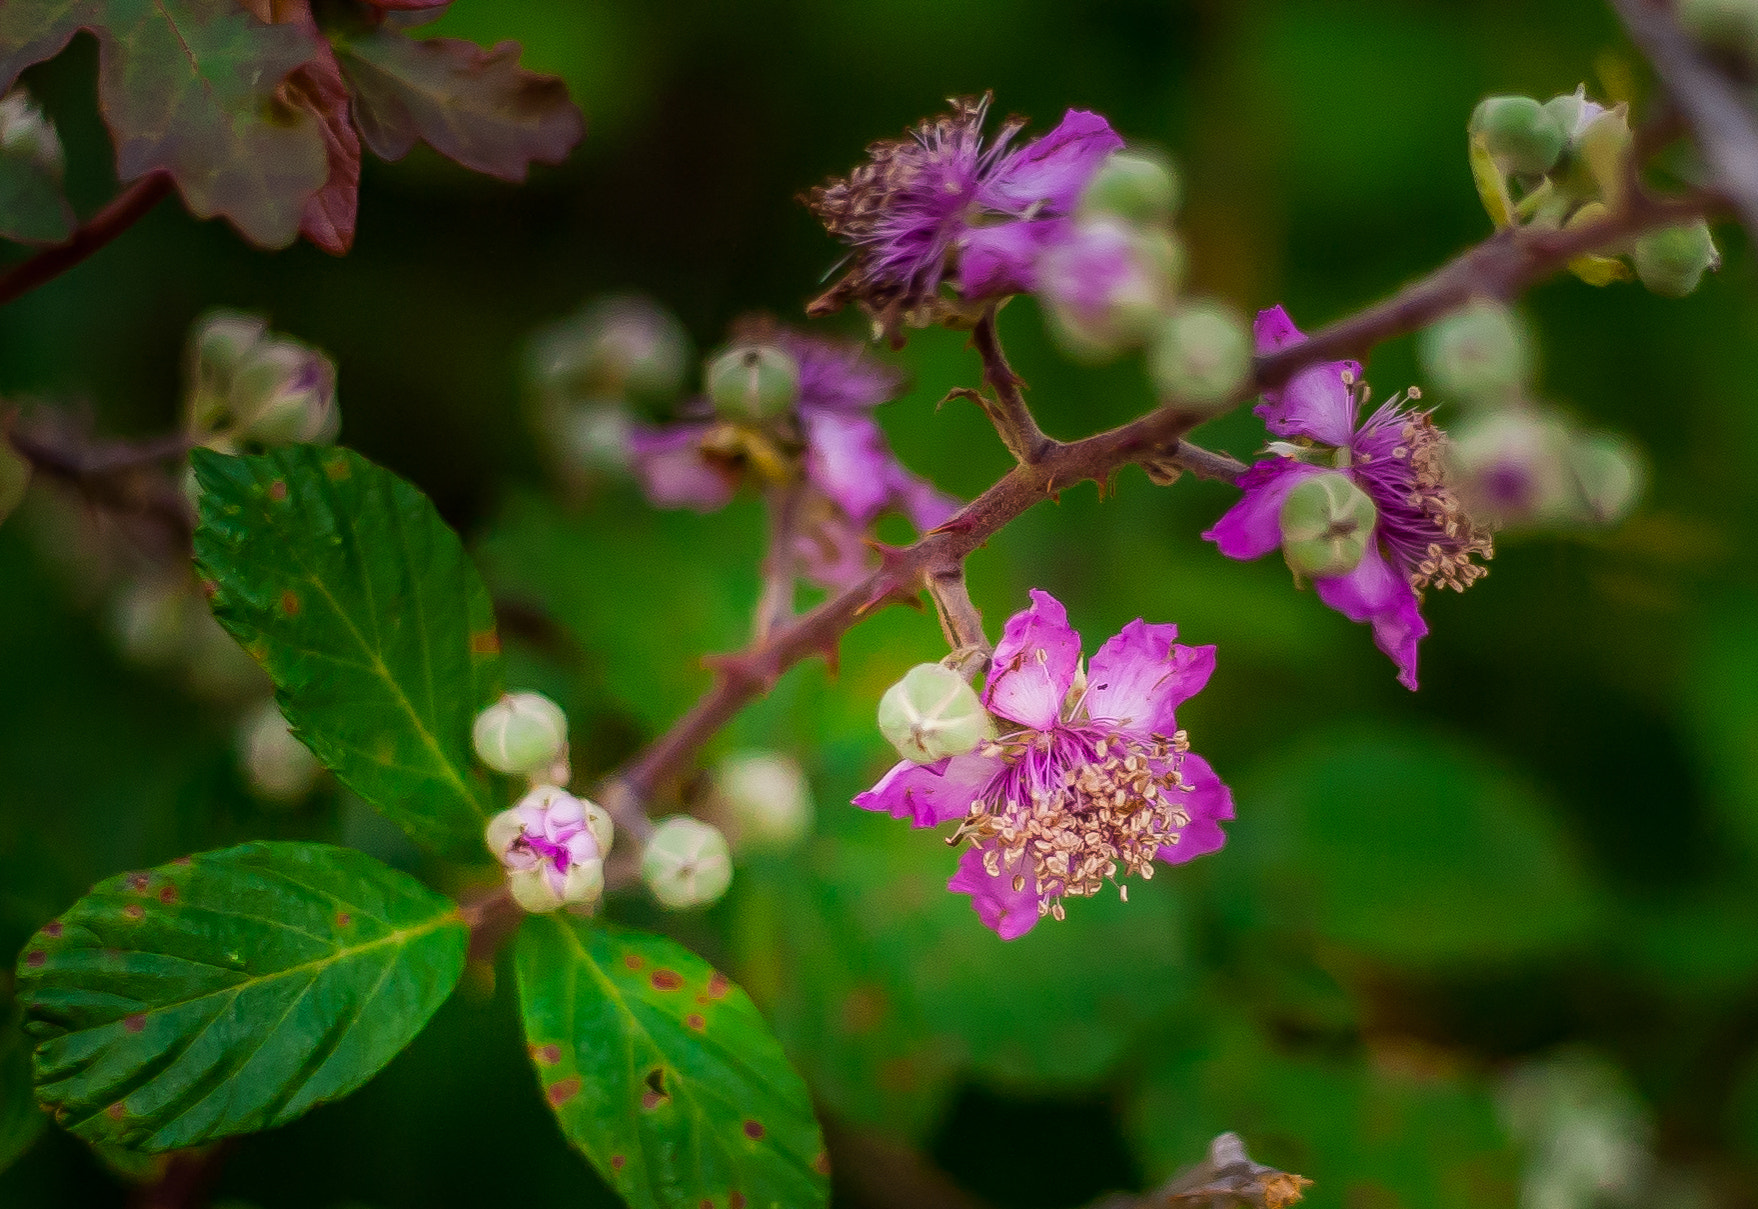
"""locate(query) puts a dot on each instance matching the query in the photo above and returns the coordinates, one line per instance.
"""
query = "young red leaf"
(192, 87)
(472, 105)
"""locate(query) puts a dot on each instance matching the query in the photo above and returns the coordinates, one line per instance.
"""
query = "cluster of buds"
(250, 386)
(590, 373)
(1516, 462)
(1566, 163)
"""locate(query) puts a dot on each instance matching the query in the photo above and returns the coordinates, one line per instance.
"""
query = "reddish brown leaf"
(472, 105)
(328, 221)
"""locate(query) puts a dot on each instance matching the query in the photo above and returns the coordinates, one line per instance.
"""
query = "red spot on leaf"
(137, 882)
(337, 469)
(717, 985)
(754, 1130)
(343, 919)
(695, 1021)
(209, 588)
(821, 1164)
(278, 490)
(115, 1112)
(666, 980)
(488, 643)
(549, 1055)
(134, 911)
(168, 894)
(290, 603)
(135, 1022)
(707, 1204)
(183, 860)
(563, 1090)
(52, 928)
(35, 957)
(617, 1161)
(651, 1100)
(633, 961)
(735, 1200)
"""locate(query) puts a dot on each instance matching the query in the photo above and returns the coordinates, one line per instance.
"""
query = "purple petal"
(1316, 402)
(1034, 664)
(838, 375)
(1375, 592)
(1209, 804)
(1009, 913)
(1253, 527)
(1140, 677)
(1003, 259)
(673, 472)
(931, 794)
(831, 550)
(847, 460)
(1049, 173)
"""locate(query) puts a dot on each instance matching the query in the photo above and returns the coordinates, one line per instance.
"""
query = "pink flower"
(1397, 457)
(942, 205)
(1094, 781)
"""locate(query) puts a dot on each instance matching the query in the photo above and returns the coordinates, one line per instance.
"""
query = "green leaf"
(20, 1122)
(472, 105)
(1407, 850)
(345, 584)
(1403, 1129)
(32, 208)
(663, 1073)
(190, 87)
(232, 991)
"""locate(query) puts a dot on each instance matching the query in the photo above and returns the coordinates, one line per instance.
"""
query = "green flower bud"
(1508, 465)
(767, 801)
(27, 133)
(1108, 288)
(622, 348)
(1609, 471)
(284, 392)
(933, 713)
(753, 382)
(15, 476)
(1672, 261)
(1135, 186)
(687, 863)
(1202, 356)
(1730, 25)
(279, 767)
(1521, 135)
(1478, 352)
(522, 734)
(218, 343)
(1327, 523)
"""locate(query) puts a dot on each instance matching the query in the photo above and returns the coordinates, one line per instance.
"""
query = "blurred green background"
(1490, 943)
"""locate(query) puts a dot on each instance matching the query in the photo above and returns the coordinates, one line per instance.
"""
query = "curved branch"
(1500, 267)
(127, 208)
(1011, 415)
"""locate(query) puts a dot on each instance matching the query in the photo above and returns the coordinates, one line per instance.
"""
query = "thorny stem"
(1500, 267)
(1012, 417)
(960, 620)
(1710, 104)
(127, 208)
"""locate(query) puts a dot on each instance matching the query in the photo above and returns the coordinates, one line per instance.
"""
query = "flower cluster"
(1378, 523)
(1089, 781)
(823, 432)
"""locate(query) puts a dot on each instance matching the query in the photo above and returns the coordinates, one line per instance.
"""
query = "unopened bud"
(521, 734)
(1599, 141)
(933, 713)
(550, 847)
(1730, 25)
(218, 343)
(278, 766)
(1672, 261)
(1108, 286)
(1522, 136)
(1609, 473)
(284, 392)
(26, 133)
(1478, 353)
(1134, 186)
(1202, 356)
(687, 863)
(753, 382)
(1508, 465)
(15, 476)
(595, 436)
(1574, 112)
(624, 348)
(151, 619)
(766, 798)
(1327, 523)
